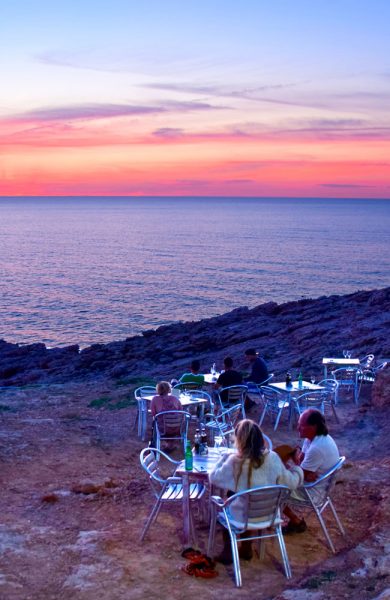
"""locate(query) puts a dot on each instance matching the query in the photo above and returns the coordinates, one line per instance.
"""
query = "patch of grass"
(99, 402)
(111, 404)
(124, 403)
(135, 381)
(4, 408)
(315, 582)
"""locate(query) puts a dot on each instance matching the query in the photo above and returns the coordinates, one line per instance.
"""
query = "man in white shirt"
(319, 454)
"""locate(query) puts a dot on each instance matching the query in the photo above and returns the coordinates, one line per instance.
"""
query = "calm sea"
(86, 270)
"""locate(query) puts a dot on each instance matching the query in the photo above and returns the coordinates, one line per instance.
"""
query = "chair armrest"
(174, 479)
(218, 501)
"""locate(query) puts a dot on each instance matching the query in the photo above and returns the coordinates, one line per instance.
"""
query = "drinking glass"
(349, 353)
(312, 379)
(345, 352)
(218, 441)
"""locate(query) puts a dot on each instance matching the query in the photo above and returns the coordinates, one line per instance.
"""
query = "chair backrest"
(346, 375)
(261, 503)
(146, 390)
(270, 395)
(330, 385)
(319, 489)
(367, 361)
(172, 423)
(313, 398)
(233, 394)
(151, 462)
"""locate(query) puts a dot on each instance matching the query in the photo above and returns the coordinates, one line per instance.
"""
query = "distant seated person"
(259, 369)
(319, 454)
(228, 378)
(164, 401)
(194, 377)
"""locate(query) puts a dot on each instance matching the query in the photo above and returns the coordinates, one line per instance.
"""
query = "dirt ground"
(74, 499)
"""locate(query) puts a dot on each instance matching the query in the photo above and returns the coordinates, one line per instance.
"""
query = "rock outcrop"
(291, 335)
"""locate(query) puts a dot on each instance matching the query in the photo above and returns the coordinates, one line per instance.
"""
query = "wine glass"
(349, 353)
(312, 379)
(345, 352)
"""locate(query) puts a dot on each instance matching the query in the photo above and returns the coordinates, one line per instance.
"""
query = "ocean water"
(87, 270)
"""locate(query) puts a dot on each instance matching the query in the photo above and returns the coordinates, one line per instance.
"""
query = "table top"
(203, 465)
(294, 386)
(340, 361)
(185, 399)
(209, 378)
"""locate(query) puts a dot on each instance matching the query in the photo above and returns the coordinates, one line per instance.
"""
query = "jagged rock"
(291, 335)
(381, 388)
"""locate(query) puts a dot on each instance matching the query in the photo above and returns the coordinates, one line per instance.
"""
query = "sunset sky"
(195, 97)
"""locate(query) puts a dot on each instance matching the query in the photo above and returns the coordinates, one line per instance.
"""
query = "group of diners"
(165, 400)
(253, 464)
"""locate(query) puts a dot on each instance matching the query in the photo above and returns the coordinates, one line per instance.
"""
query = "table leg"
(186, 510)
(290, 410)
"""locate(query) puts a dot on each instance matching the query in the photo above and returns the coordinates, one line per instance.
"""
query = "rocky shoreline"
(290, 335)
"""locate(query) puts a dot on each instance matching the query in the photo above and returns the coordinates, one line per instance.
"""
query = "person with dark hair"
(259, 369)
(253, 465)
(194, 376)
(319, 454)
(229, 377)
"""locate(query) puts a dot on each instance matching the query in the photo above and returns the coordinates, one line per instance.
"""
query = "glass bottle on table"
(300, 380)
(197, 442)
(188, 458)
(203, 448)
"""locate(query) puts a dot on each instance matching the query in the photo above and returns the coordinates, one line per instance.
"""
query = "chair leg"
(211, 542)
(278, 419)
(335, 413)
(152, 517)
(283, 551)
(336, 517)
(236, 558)
(263, 415)
(324, 529)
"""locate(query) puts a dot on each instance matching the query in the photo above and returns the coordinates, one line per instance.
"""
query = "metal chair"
(348, 377)
(224, 423)
(330, 395)
(142, 408)
(196, 395)
(274, 404)
(314, 399)
(171, 425)
(317, 497)
(262, 507)
(232, 395)
(254, 390)
(167, 489)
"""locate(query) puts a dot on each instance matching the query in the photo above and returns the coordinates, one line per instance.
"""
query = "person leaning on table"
(253, 465)
(319, 454)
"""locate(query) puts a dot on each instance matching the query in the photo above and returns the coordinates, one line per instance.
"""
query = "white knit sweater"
(271, 472)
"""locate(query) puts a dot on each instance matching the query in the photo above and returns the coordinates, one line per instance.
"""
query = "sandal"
(190, 553)
(198, 571)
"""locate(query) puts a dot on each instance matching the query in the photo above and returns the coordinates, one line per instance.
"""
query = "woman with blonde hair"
(251, 466)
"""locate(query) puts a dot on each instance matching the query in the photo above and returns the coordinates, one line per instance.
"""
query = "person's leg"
(295, 523)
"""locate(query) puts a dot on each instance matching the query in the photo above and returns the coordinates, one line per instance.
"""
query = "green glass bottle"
(300, 379)
(188, 458)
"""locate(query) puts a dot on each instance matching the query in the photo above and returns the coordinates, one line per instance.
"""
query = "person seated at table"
(163, 401)
(253, 465)
(319, 454)
(193, 376)
(229, 377)
(259, 369)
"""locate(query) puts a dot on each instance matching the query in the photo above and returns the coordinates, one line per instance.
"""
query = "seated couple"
(254, 465)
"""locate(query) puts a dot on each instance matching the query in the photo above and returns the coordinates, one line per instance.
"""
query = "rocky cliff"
(291, 335)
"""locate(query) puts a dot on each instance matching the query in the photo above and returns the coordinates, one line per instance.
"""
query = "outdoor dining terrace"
(76, 501)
